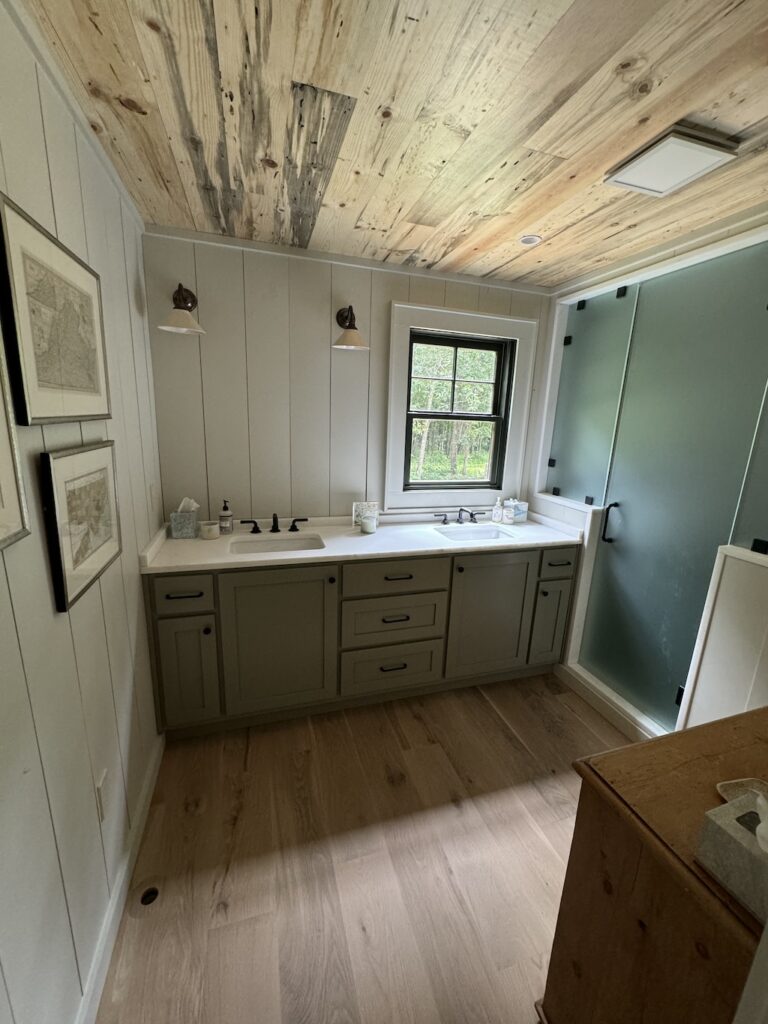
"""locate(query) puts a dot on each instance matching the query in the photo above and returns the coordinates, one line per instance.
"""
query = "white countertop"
(344, 543)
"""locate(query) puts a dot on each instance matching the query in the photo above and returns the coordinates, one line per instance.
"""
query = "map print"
(89, 514)
(63, 330)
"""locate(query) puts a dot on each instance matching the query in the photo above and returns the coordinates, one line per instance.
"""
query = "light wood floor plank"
(393, 864)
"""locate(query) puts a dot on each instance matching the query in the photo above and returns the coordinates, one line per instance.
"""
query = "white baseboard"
(618, 711)
(89, 1006)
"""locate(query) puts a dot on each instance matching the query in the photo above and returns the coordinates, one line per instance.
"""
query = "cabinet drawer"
(381, 620)
(182, 595)
(400, 577)
(391, 668)
(558, 563)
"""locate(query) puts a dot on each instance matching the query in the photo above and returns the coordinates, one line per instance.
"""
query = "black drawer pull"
(185, 597)
(393, 668)
(396, 618)
(207, 631)
(397, 579)
(545, 593)
(556, 565)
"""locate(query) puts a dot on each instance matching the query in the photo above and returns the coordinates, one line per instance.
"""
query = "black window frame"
(500, 414)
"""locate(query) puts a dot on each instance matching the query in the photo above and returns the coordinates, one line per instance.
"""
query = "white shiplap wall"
(75, 689)
(261, 409)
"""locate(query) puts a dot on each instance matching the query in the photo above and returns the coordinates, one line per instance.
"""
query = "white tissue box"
(183, 525)
(730, 852)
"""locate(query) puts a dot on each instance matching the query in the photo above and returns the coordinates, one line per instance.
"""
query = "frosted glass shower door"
(588, 395)
(697, 368)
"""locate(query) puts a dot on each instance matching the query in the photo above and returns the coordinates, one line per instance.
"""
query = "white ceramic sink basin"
(254, 545)
(468, 533)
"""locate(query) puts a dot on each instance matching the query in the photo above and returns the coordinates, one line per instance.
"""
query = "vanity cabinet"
(187, 654)
(278, 637)
(242, 643)
(491, 610)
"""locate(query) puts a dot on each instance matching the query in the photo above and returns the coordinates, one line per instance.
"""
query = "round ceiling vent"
(530, 240)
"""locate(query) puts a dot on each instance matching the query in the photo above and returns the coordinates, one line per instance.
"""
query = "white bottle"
(497, 512)
(226, 520)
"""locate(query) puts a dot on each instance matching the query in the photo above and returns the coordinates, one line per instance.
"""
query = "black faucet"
(274, 528)
(256, 528)
(293, 528)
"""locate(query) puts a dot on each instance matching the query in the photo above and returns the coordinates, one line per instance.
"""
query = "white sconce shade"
(350, 337)
(180, 319)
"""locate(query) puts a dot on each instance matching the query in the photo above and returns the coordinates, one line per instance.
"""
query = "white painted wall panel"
(177, 377)
(267, 327)
(21, 127)
(92, 659)
(316, 417)
(61, 152)
(349, 392)
(221, 299)
(310, 344)
(49, 663)
(34, 924)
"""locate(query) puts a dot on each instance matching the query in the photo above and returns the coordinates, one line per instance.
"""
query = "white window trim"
(405, 317)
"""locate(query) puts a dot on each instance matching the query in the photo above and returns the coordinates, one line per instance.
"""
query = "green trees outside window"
(458, 405)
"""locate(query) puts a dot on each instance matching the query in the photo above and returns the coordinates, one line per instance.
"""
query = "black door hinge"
(568, 339)
(555, 491)
(551, 462)
(621, 292)
(581, 304)
(679, 697)
(589, 500)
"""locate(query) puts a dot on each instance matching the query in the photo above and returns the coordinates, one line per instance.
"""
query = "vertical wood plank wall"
(75, 688)
(261, 409)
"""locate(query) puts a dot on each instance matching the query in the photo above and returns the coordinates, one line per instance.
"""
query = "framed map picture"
(50, 304)
(14, 522)
(81, 517)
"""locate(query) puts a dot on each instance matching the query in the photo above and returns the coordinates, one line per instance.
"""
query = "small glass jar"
(369, 522)
(509, 511)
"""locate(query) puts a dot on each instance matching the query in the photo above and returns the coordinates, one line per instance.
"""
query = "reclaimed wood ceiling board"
(417, 132)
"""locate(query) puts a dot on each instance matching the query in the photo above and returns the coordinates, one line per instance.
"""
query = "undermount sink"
(254, 545)
(468, 533)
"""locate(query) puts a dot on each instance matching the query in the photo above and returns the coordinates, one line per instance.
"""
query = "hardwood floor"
(392, 864)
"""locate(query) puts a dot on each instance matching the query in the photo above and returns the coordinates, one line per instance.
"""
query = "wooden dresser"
(644, 934)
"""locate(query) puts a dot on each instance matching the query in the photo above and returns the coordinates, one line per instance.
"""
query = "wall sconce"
(180, 319)
(350, 337)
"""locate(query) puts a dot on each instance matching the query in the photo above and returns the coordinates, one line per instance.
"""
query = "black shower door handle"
(608, 540)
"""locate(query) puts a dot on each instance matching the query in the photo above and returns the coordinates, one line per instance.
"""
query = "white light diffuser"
(667, 165)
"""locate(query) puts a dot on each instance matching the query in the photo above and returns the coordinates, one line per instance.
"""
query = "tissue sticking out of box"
(188, 505)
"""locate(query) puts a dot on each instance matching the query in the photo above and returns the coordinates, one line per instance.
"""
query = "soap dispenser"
(226, 520)
(497, 512)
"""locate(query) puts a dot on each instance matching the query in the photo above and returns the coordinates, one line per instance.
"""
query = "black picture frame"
(79, 554)
(26, 244)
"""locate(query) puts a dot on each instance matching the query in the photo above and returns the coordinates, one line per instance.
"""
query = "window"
(457, 411)
(460, 388)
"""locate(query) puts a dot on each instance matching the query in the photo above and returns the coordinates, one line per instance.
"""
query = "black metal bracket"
(568, 339)
(581, 304)
(589, 500)
(679, 695)
(551, 462)
(556, 491)
(621, 291)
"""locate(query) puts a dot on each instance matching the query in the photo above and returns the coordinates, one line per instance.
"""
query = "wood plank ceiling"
(429, 133)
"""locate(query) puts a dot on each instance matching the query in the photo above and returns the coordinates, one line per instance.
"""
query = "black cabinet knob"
(331, 579)
(207, 631)
(545, 593)
(459, 568)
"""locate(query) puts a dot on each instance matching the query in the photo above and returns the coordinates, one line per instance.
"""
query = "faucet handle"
(473, 516)
(256, 528)
(443, 516)
(275, 527)
(293, 528)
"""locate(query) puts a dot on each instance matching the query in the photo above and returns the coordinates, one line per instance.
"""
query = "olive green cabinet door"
(278, 637)
(491, 609)
(549, 622)
(189, 669)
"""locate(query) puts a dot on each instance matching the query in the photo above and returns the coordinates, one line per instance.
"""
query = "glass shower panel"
(694, 384)
(588, 396)
(752, 518)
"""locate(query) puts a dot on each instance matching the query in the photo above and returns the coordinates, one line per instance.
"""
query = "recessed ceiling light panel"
(671, 162)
